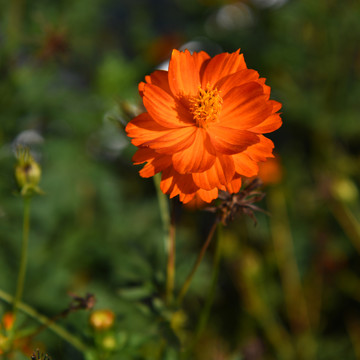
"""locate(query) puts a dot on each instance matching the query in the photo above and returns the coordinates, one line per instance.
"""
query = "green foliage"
(288, 288)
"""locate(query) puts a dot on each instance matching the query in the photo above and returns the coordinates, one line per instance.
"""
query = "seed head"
(242, 202)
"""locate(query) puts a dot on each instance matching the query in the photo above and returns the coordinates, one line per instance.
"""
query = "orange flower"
(270, 172)
(203, 125)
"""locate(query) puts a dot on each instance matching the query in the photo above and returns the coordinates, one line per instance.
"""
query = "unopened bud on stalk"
(27, 172)
(109, 342)
(4, 344)
(102, 319)
(8, 320)
(345, 190)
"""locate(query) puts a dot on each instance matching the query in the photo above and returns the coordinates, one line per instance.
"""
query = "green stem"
(169, 238)
(14, 27)
(23, 258)
(58, 330)
(170, 279)
(347, 221)
(163, 205)
(215, 274)
(188, 280)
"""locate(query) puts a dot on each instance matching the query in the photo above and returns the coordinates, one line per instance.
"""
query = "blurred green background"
(289, 288)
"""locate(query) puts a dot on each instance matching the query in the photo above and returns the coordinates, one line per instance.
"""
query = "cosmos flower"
(204, 124)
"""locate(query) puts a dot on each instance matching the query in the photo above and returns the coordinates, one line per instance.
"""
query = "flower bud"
(27, 172)
(4, 344)
(178, 320)
(109, 342)
(345, 190)
(102, 319)
(8, 320)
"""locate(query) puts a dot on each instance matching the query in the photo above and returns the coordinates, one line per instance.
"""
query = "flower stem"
(347, 221)
(163, 205)
(169, 238)
(204, 316)
(188, 280)
(14, 30)
(23, 258)
(170, 270)
(57, 329)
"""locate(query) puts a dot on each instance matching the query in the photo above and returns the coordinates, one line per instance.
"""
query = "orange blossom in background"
(203, 124)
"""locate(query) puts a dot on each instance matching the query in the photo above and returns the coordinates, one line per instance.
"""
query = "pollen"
(206, 106)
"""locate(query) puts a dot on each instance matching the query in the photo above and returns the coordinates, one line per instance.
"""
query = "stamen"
(206, 106)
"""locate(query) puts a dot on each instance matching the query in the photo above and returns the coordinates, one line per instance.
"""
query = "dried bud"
(39, 356)
(82, 303)
(27, 172)
(242, 202)
(102, 319)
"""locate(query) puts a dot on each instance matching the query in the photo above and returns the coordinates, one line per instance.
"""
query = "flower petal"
(141, 87)
(230, 141)
(173, 141)
(184, 184)
(186, 198)
(201, 59)
(221, 173)
(208, 196)
(233, 186)
(198, 157)
(158, 164)
(266, 88)
(174, 184)
(143, 154)
(244, 165)
(225, 84)
(261, 150)
(184, 73)
(146, 132)
(244, 107)
(155, 162)
(166, 183)
(143, 129)
(222, 65)
(164, 109)
(158, 78)
(276, 105)
(272, 123)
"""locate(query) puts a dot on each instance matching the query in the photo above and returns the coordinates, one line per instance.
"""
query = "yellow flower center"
(206, 106)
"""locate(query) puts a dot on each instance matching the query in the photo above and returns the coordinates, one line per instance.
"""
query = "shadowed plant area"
(167, 196)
